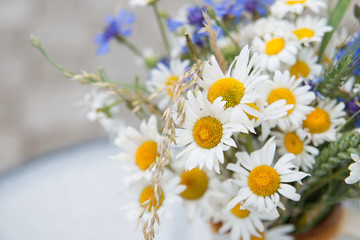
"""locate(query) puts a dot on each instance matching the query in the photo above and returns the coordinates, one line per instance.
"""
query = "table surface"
(75, 194)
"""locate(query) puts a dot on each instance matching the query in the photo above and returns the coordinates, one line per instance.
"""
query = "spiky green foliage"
(336, 76)
(336, 153)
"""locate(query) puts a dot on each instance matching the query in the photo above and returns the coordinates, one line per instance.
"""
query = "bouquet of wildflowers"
(249, 115)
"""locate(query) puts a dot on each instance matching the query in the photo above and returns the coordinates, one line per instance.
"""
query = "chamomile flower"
(323, 122)
(196, 195)
(270, 114)
(306, 65)
(286, 87)
(278, 45)
(354, 170)
(281, 7)
(237, 87)
(277, 233)
(206, 132)
(143, 191)
(260, 180)
(139, 149)
(163, 80)
(241, 223)
(295, 142)
(310, 29)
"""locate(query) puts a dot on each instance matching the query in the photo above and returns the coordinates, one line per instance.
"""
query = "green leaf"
(335, 19)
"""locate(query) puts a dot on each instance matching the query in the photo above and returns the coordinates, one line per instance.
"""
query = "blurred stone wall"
(37, 104)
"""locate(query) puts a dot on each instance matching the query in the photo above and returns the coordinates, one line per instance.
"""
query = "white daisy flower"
(139, 149)
(323, 122)
(241, 223)
(306, 65)
(206, 132)
(354, 170)
(96, 102)
(277, 233)
(237, 87)
(293, 141)
(143, 191)
(276, 46)
(140, 3)
(281, 7)
(163, 80)
(284, 87)
(261, 180)
(270, 114)
(196, 195)
(309, 29)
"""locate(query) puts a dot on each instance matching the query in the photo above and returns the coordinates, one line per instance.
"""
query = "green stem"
(249, 145)
(322, 182)
(226, 31)
(67, 73)
(132, 47)
(162, 27)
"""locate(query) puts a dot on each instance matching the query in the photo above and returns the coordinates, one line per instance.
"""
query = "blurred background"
(39, 108)
(41, 113)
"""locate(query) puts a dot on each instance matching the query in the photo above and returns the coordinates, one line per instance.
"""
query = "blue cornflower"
(312, 84)
(115, 27)
(173, 24)
(255, 6)
(195, 16)
(353, 46)
(352, 107)
(226, 8)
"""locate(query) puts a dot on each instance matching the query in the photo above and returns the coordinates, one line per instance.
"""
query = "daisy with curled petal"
(309, 29)
(143, 191)
(163, 80)
(270, 114)
(323, 123)
(276, 233)
(206, 132)
(300, 97)
(241, 223)
(277, 46)
(294, 141)
(237, 87)
(306, 65)
(260, 180)
(139, 149)
(281, 7)
(354, 170)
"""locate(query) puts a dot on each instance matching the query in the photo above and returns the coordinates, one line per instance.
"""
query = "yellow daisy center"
(318, 121)
(304, 33)
(282, 93)
(230, 89)
(148, 193)
(274, 46)
(196, 183)
(252, 105)
(292, 2)
(258, 238)
(170, 85)
(293, 143)
(300, 69)
(240, 213)
(146, 155)
(263, 180)
(207, 132)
